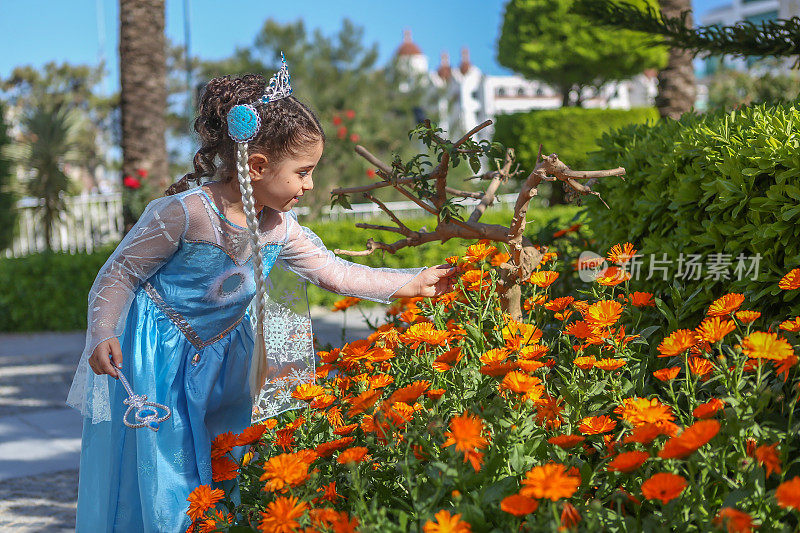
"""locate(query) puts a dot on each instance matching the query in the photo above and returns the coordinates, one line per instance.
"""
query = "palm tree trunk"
(676, 82)
(143, 99)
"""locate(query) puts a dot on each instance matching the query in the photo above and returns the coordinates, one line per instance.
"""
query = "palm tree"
(51, 140)
(676, 82)
(143, 98)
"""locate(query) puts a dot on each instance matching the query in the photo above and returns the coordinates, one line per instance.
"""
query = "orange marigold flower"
(201, 500)
(223, 469)
(761, 345)
(700, 366)
(646, 433)
(628, 461)
(692, 438)
(529, 366)
(569, 516)
(424, 333)
(285, 470)
(642, 299)
(584, 362)
(326, 449)
(409, 393)
(519, 382)
(551, 481)
(222, 444)
(559, 304)
(543, 278)
(579, 329)
(678, 342)
(594, 425)
(497, 369)
(735, 521)
(609, 364)
(328, 493)
(322, 401)
(435, 394)
(566, 441)
(714, 329)
(478, 252)
(663, 486)
(708, 409)
(475, 280)
(345, 430)
(466, 432)
(519, 505)
(307, 392)
(790, 281)
(747, 316)
(612, 276)
(345, 303)
(603, 314)
(363, 401)
(380, 380)
(495, 355)
(792, 325)
(499, 258)
(667, 374)
(548, 412)
(251, 435)
(621, 253)
(356, 454)
(788, 493)
(767, 456)
(639, 411)
(725, 305)
(446, 523)
(532, 351)
(527, 333)
(282, 514)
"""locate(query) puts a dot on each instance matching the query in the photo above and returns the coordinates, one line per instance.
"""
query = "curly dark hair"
(287, 127)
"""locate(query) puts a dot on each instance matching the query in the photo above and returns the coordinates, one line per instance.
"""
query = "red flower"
(337, 120)
(350, 114)
(341, 132)
(141, 172)
(354, 137)
(131, 182)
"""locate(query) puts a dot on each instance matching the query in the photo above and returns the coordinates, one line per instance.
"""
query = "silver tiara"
(244, 120)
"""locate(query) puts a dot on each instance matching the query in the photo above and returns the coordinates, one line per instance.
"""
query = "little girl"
(170, 308)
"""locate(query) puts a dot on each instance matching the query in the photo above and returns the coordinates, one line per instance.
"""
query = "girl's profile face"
(280, 186)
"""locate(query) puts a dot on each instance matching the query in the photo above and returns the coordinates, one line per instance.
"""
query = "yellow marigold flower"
(585, 362)
(678, 342)
(640, 411)
(551, 481)
(479, 252)
(762, 345)
(790, 281)
(725, 305)
(603, 314)
(495, 355)
(529, 333)
(543, 278)
(747, 316)
(594, 425)
(446, 523)
(307, 392)
(714, 329)
(700, 366)
(792, 325)
(621, 253)
(609, 364)
(424, 333)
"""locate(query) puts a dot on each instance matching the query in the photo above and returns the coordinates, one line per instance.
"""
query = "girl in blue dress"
(185, 309)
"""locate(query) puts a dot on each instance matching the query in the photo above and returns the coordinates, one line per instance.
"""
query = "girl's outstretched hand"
(433, 281)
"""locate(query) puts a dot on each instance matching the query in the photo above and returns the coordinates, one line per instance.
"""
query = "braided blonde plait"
(258, 370)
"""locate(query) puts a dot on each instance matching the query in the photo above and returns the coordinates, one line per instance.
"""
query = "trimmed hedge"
(570, 132)
(48, 292)
(724, 183)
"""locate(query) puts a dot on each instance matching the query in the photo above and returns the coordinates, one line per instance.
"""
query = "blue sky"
(33, 32)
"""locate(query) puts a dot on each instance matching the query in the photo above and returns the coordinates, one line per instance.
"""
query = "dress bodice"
(204, 290)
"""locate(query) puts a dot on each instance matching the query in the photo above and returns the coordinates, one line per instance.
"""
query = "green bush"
(724, 183)
(48, 292)
(570, 132)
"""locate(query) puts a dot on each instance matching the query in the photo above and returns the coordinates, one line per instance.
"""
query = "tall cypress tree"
(8, 212)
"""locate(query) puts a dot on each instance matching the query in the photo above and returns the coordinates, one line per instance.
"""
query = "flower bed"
(585, 415)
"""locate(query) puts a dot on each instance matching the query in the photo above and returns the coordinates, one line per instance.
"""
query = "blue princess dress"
(176, 293)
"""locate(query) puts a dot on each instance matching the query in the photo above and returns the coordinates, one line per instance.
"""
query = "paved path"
(40, 437)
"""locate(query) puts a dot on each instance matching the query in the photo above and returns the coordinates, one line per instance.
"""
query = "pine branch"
(769, 38)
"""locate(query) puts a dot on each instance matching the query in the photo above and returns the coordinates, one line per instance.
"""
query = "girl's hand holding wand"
(100, 361)
(433, 281)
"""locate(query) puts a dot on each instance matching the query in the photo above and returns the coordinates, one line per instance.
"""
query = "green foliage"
(769, 38)
(545, 40)
(569, 132)
(8, 212)
(718, 183)
(47, 291)
(730, 89)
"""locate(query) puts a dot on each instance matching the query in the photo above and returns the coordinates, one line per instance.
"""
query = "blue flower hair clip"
(244, 120)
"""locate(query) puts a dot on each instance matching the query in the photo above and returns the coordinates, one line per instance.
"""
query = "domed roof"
(408, 47)
(465, 64)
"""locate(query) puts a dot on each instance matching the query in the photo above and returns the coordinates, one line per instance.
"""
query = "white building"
(471, 97)
(755, 11)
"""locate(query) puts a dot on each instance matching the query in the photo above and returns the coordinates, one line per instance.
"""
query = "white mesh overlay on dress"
(288, 337)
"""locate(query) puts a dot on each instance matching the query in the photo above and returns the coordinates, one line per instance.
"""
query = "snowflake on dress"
(283, 396)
